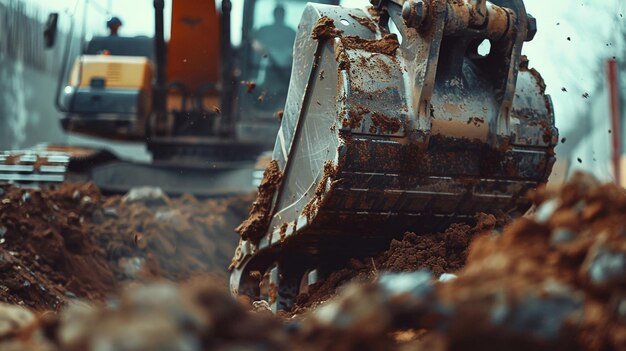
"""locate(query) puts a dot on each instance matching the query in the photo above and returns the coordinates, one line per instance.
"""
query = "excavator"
(408, 115)
(181, 97)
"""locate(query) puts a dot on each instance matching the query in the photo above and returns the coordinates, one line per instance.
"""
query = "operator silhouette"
(276, 40)
(114, 24)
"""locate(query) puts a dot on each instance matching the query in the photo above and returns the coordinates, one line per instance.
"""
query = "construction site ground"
(80, 270)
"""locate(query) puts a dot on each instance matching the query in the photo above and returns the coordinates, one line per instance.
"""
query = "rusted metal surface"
(408, 133)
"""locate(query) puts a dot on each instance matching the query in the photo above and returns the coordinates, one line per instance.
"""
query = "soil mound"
(438, 252)
(71, 241)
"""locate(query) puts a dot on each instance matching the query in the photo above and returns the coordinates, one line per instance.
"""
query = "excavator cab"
(109, 90)
(177, 93)
(268, 36)
(186, 94)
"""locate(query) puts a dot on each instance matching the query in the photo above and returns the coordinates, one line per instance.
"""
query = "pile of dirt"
(174, 238)
(554, 281)
(66, 242)
(197, 315)
(325, 29)
(440, 253)
(47, 254)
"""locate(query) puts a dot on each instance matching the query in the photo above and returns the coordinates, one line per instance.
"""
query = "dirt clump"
(325, 29)
(441, 252)
(355, 117)
(250, 85)
(353, 121)
(329, 174)
(387, 45)
(366, 22)
(255, 226)
(385, 123)
(45, 235)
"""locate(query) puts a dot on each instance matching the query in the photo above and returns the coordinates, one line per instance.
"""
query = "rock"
(540, 315)
(359, 309)
(13, 319)
(86, 200)
(155, 295)
(132, 266)
(604, 267)
(171, 216)
(26, 196)
(447, 277)
(261, 306)
(110, 212)
(148, 195)
(417, 284)
(176, 219)
(77, 319)
(561, 236)
(545, 211)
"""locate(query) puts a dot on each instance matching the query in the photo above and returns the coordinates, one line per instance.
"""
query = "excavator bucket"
(385, 133)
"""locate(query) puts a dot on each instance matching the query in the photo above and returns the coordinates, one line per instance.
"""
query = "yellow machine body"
(124, 72)
(110, 96)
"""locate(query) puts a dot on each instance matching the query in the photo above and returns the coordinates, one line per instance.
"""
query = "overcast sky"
(574, 35)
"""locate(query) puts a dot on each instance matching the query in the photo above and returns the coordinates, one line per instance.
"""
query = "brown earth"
(387, 45)
(439, 252)
(551, 281)
(325, 29)
(255, 226)
(70, 241)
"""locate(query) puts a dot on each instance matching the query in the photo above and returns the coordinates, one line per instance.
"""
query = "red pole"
(612, 73)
